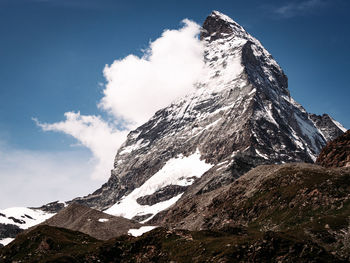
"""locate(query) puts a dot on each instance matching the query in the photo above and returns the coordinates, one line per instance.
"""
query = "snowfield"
(177, 171)
(23, 217)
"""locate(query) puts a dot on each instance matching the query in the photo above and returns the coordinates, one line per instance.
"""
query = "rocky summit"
(231, 164)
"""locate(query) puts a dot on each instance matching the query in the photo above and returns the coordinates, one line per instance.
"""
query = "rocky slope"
(241, 115)
(91, 222)
(329, 127)
(50, 244)
(336, 153)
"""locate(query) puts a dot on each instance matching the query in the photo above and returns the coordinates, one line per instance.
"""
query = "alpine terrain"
(230, 164)
(240, 116)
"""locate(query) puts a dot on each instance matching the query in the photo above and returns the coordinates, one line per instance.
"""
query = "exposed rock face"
(92, 222)
(9, 231)
(240, 116)
(162, 194)
(330, 128)
(52, 207)
(336, 153)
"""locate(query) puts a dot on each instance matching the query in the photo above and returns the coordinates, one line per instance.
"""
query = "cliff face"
(329, 127)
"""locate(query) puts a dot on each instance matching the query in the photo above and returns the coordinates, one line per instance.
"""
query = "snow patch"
(141, 230)
(176, 171)
(261, 154)
(251, 92)
(308, 130)
(139, 144)
(223, 17)
(102, 220)
(6, 241)
(24, 217)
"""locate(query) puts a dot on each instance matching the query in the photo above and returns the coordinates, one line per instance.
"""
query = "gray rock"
(162, 194)
(8, 230)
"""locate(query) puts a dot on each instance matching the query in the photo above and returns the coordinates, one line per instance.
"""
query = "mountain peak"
(221, 16)
(240, 115)
(218, 25)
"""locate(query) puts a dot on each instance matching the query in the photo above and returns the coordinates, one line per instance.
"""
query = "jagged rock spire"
(218, 25)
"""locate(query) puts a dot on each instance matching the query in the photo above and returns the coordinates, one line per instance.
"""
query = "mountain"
(240, 115)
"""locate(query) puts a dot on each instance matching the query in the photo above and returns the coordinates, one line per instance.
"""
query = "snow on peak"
(341, 127)
(222, 16)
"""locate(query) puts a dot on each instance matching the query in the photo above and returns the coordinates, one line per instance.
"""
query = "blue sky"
(53, 52)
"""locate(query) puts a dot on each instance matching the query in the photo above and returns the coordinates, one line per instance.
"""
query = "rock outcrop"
(336, 153)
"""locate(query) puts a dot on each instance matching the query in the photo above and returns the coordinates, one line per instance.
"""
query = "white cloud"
(136, 88)
(101, 138)
(298, 7)
(33, 178)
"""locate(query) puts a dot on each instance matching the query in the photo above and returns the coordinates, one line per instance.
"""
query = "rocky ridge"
(329, 127)
(92, 222)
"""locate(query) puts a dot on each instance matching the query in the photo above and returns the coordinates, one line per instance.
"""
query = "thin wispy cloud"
(101, 137)
(296, 8)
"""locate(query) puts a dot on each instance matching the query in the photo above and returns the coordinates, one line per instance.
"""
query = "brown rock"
(336, 153)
